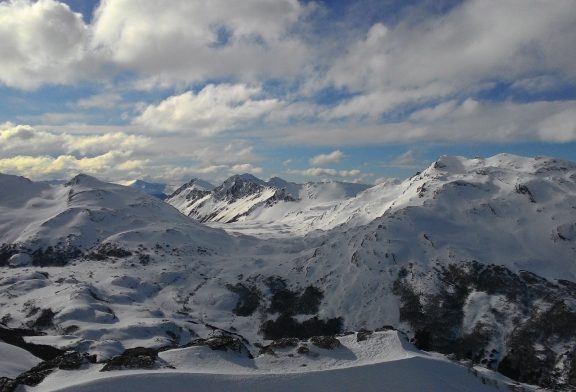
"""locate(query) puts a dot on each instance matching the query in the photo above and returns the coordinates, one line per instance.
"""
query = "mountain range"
(471, 259)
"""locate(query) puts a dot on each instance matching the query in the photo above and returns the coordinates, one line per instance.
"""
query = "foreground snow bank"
(382, 362)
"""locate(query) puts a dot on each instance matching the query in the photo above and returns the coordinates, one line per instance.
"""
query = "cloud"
(451, 121)
(319, 172)
(426, 56)
(26, 140)
(65, 166)
(213, 109)
(194, 40)
(100, 101)
(325, 159)
(42, 42)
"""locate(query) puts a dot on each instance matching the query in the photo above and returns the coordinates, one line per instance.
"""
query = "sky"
(306, 90)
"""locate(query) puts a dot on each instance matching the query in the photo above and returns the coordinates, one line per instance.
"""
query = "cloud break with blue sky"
(305, 90)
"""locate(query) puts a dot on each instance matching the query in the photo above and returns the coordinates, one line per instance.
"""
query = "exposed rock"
(223, 343)
(133, 358)
(303, 349)
(363, 335)
(284, 343)
(326, 342)
(68, 361)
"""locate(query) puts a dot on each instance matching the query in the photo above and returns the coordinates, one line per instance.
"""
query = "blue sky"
(305, 90)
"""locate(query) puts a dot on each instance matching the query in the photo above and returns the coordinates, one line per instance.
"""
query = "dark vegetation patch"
(108, 250)
(287, 302)
(533, 365)
(287, 326)
(57, 256)
(7, 251)
(437, 319)
(248, 299)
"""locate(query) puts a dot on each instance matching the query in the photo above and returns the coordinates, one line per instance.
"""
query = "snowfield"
(471, 258)
(384, 362)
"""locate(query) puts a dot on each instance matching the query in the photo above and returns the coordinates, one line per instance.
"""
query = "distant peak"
(83, 179)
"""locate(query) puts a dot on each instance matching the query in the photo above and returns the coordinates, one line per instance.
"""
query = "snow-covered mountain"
(243, 197)
(472, 258)
(44, 225)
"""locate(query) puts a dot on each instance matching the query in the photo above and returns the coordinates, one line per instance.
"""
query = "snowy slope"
(380, 363)
(86, 213)
(14, 360)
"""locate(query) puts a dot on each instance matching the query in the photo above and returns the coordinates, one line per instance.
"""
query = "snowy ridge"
(250, 200)
(85, 213)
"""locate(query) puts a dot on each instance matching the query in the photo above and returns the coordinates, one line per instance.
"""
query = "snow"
(384, 362)
(14, 360)
(506, 210)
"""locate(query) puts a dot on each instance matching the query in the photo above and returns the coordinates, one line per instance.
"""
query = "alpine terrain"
(460, 278)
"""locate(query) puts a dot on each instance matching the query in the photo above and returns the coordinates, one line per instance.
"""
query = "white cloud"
(214, 109)
(319, 172)
(64, 166)
(427, 57)
(26, 140)
(325, 159)
(181, 40)
(451, 121)
(42, 42)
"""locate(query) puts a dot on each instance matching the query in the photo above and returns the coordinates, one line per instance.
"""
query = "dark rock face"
(325, 342)
(133, 358)
(539, 311)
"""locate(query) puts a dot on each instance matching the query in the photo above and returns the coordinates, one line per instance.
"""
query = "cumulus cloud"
(325, 159)
(214, 109)
(191, 40)
(42, 42)
(26, 140)
(427, 57)
(64, 166)
(39, 153)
